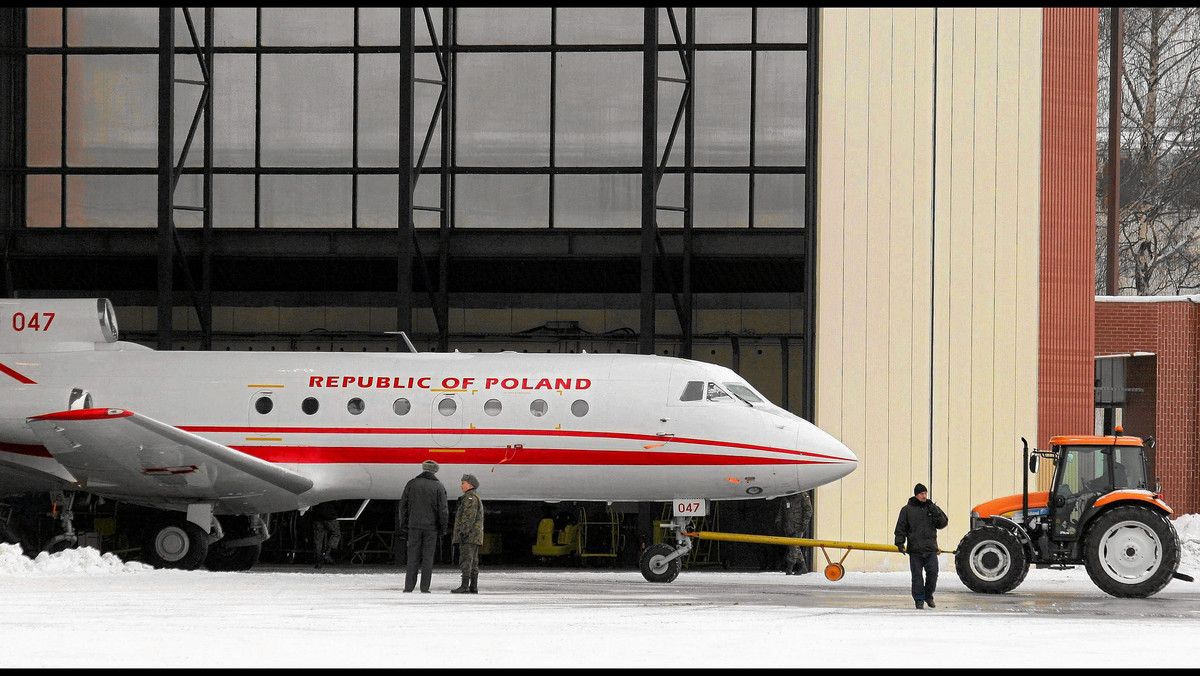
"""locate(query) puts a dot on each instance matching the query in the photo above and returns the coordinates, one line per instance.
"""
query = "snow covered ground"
(79, 608)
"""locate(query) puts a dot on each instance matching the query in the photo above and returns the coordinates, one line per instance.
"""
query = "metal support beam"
(649, 177)
(1114, 148)
(808, 359)
(166, 153)
(404, 265)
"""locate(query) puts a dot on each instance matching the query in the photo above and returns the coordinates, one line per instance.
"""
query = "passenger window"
(492, 407)
(447, 407)
(264, 405)
(355, 406)
(401, 407)
(579, 408)
(694, 391)
(310, 405)
(717, 394)
(538, 408)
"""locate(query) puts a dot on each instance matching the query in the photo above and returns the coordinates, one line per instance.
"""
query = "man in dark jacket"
(423, 513)
(468, 535)
(919, 523)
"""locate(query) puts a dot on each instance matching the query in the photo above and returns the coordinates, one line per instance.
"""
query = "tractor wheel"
(991, 560)
(1131, 551)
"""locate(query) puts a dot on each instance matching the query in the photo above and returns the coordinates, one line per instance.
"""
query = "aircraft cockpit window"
(744, 393)
(401, 406)
(355, 406)
(538, 407)
(264, 405)
(693, 391)
(579, 408)
(310, 405)
(715, 393)
(493, 407)
(447, 407)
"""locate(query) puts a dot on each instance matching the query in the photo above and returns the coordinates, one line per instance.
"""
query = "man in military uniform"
(468, 534)
(795, 511)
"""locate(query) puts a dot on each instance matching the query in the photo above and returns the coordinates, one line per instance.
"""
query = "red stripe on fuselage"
(17, 376)
(502, 456)
(502, 432)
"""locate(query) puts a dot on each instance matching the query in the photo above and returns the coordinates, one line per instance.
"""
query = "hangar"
(882, 218)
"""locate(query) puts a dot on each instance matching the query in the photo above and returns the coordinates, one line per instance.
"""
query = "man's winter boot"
(462, 588)
(474, 583)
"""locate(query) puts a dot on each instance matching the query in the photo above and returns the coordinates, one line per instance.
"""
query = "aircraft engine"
(19, 402)
(55, 324)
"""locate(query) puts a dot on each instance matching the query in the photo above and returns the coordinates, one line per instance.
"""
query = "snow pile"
(82, 561)
(1188, 527)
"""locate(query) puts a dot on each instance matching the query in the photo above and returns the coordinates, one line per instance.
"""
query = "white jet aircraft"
(239, 435)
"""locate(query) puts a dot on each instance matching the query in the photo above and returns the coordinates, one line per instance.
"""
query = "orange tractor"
(1099, 513)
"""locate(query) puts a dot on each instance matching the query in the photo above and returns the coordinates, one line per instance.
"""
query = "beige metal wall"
(927, 261)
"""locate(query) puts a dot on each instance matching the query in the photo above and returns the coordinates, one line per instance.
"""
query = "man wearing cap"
(919, 523)
(468, 535)
(422, 515)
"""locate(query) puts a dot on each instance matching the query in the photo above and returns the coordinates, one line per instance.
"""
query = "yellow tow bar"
(833, 571)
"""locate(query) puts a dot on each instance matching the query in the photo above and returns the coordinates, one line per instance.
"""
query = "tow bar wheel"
(834, 572)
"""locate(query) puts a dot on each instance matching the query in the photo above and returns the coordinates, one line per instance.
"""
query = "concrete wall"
(928, 164)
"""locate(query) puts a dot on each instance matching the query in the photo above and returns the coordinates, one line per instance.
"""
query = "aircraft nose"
(816, 441)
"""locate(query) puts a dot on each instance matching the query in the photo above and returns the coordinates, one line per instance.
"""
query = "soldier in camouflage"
(468, 535)
(795, 511)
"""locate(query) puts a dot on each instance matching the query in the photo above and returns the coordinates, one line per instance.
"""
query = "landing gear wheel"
(222, 557)
(655, 567)
(1131, 552)
(175, 544)
(991, 560)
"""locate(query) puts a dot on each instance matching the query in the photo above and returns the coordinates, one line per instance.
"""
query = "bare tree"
(1159, 247)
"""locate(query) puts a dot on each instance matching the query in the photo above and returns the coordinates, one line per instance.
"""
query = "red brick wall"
(1171, 330)
(1068, 228)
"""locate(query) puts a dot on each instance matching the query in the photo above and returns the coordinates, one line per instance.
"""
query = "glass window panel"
(306, 119)
(324, 27)
(378, 201)
(187, 100)
(503, 26)
(189, 191)
(235, 26)
(500, 201)
(233, 201)
(722, 201)
(105, 201)
(666, 35)
(599, 103)
(780, 114)
(598, 201)
(783, 24)
(379, 110)
(233, 110)
(305, 201)
(725, 24)
(503, 116)
(183, 36)
(43, 26)
(112, 110)
(43, 205)
(425, 98)
(43, 124)
(670, 97)
(670, 194)
(378, 197)
(779, 201)
(600, 25)
(723, 122)
(378, 26)
(113, 26)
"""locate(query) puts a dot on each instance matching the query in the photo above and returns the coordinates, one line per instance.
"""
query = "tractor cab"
(1087, 468)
